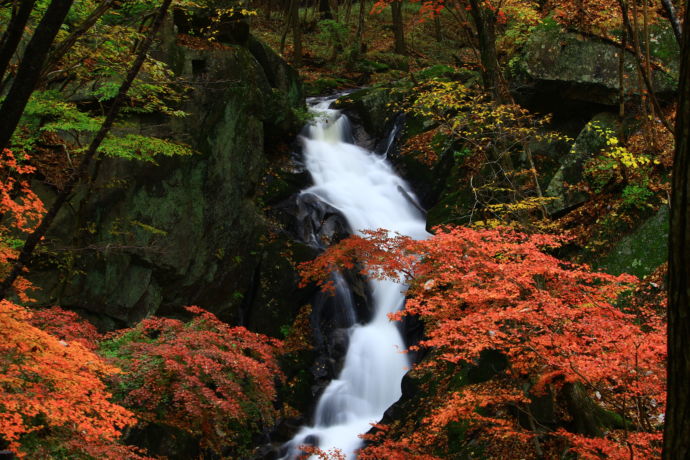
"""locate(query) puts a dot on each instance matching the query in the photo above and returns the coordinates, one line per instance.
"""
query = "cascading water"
(364, 187)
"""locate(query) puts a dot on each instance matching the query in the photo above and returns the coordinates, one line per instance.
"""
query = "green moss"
(387, 61)
(326, 85)
(641, 252)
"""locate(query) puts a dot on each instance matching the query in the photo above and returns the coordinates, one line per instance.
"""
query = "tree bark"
(325, 9)
(398, 27)
(484, 22)
(673, 19)
(39, 232)
(296, 33)
(13, 34)
(677, 429)
(30, 68)
(359, 34)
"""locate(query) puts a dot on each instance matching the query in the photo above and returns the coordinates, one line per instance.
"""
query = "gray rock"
(588, 143)
(584, 69)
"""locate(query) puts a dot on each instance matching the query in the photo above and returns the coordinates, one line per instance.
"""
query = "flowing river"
(364, 187)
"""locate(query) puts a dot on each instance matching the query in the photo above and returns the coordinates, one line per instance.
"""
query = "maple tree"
(205, 377)
(52, 394)
(556, 326)
(67, 326)
(52, 391)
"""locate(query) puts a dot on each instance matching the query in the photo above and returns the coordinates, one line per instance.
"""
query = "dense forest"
(337, 229)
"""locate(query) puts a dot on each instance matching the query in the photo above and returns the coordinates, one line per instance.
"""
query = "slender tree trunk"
(13, 35)
(484, 21)
(30, 68)
(296, 34)
(621, 75)
(288, 23)
(640, 67)
(325, 9)
(39, 232)
(348, 11)
(359, 35)
(677, 423)
(438, 31)
(398, 27)
(673, 18)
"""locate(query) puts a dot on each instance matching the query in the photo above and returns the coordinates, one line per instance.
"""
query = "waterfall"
(366, 190)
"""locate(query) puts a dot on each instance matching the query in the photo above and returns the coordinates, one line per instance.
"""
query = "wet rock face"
(312, 221)
(151, 238)
(316, 224)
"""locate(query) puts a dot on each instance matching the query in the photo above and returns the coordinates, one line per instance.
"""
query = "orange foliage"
(27, 208)
(212, 380)
(20, 210)
(556, 323)
(66, 325)
(51, 393)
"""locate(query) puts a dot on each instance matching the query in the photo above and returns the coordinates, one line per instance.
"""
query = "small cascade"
(365, 189)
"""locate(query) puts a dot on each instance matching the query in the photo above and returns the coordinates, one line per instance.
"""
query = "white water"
(364, 187)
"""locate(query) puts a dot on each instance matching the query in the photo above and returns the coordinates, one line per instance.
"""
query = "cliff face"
(149, 238)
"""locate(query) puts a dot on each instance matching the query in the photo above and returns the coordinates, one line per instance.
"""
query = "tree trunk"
(288, 23)
(360, 27)
(438, 32)
(30, 68)
(13, 34)
(325, 9)
(632, 34)
(677, 430)
(398, 27)
(296, 33)
(673, 19)
(484, 21)
(39, 232)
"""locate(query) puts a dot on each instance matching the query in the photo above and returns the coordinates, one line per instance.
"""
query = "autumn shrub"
(214, 381)
(53, 401)
(495, 154)
(67, 326)
(555, 332)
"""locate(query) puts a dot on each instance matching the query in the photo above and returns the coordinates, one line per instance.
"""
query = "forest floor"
(331, 62)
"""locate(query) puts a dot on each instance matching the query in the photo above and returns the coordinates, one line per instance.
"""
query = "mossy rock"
(586, 69)
(152, 238)
(588, 143)
(326, 85)
(373, 108)
(441, 71)
(389, 60)
(641, 252)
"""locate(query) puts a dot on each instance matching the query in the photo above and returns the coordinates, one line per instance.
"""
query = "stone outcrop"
(149, 238)
(567, 66)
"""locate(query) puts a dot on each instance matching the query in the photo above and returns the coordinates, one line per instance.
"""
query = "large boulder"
(562, 65)
(149, 238)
